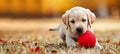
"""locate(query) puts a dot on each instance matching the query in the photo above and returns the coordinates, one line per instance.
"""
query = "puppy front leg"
(69, 41)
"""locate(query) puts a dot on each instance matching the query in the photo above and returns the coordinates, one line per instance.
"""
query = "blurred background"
(55, 8)
(40, 15)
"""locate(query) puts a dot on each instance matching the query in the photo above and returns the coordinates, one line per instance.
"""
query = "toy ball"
(87, 40)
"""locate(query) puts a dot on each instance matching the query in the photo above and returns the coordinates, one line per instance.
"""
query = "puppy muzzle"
(79, 30)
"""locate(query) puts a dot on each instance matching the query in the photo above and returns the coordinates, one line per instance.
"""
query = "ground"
(31, 36)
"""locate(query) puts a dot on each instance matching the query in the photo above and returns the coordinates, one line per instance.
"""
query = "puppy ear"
(91, 17)
(65, 18)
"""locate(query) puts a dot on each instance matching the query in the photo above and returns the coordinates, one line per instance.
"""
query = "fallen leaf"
(37, 49)
(2, 41)
(119, 43)
(32, 49)
(54, 51)
(107, 40)
(23, 43)
(12, 51)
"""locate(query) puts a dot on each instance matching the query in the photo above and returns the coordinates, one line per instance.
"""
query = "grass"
(20, 43)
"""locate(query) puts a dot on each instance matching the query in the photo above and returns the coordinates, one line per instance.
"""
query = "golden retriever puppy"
(74, 22)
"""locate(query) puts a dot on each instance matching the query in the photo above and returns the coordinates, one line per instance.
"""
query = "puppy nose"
(79, 30)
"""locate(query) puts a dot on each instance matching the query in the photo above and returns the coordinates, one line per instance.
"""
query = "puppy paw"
(99, 47)
(71, 44)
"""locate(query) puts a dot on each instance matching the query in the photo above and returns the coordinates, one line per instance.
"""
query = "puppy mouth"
(79, 32)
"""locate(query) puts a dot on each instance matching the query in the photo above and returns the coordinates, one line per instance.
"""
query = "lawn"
(31, 36)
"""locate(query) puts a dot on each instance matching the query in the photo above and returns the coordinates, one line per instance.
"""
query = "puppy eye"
(83, 20)
(72, 21)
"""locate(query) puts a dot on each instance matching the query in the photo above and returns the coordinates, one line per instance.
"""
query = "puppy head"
(78, 19)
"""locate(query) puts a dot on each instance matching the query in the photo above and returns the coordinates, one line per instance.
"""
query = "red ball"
(87, 39)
